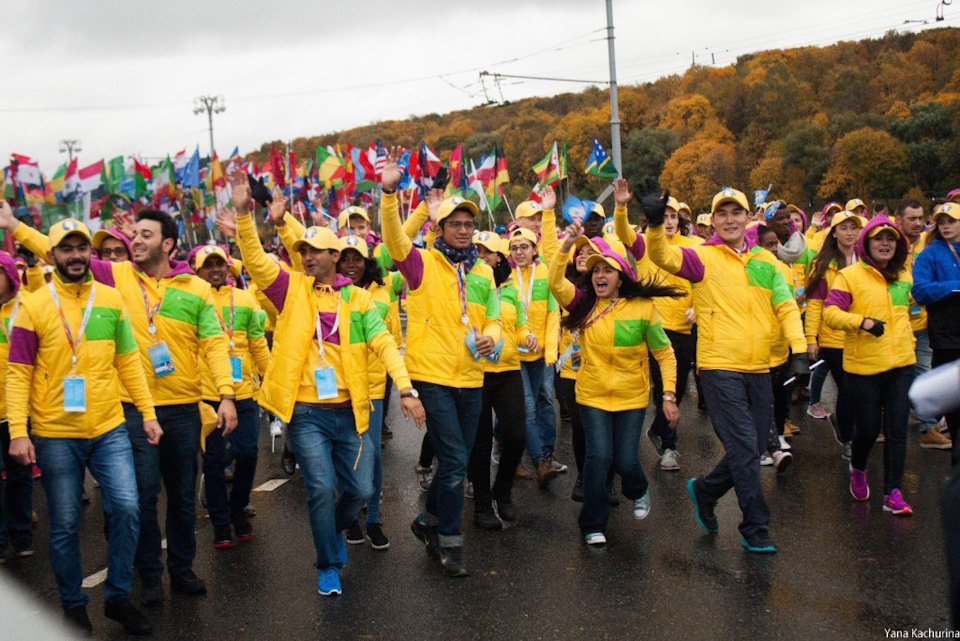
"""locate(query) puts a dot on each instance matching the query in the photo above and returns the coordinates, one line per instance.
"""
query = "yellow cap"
(853, 204)
(102, 234)
(356, 243)
(598, 210)
(593, 259)
(947, 209)
(673, 204)
(879, 228)
(705, 219)
(730, 195)
(236, 266)
(521, 233)
(344, 219)
(847, 215)
(206, 252)
(491, 241)
(67, 227)
(610, 229)
(527, 208)
(318, 238)
(450, 205)
(684, 207)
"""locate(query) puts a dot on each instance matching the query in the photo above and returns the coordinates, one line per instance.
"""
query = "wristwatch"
(413, 393)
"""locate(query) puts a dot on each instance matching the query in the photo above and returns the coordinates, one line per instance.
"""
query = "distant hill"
(874, 119)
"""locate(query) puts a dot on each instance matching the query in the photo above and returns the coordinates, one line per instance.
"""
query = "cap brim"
(596, 258)
(731, 199)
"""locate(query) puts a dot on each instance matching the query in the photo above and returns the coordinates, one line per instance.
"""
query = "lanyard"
(227, 328)
(462, 291)
(576, 333)
(150, 312)
(526, 294)
(333, 330)
(7, 328)
(66, 326)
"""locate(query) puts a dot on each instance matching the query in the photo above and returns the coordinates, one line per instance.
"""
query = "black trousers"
(683, 350)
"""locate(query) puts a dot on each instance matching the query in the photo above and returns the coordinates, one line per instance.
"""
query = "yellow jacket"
(514, 329)
(918, 313)
(780, 350)
(614, 372)
(40, 358)
(860, 291)
(732, 295)
(543, 314)
(247, 336)
(386, 299)
(436, 352)
(186, 321)
(6, 314)
(815, 326)
(300, 300)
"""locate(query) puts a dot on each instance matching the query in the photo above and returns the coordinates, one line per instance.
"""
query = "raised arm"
(563, 290)
(406, 257)
(549, 243)
(625, 231)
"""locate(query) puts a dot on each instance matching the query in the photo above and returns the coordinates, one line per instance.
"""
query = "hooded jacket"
(936, 279)
(7, 309)
(40, 358)
(543, 314)
(436, 351)
(860, 291)
(248, 337)
(186, 321)
(733, 294)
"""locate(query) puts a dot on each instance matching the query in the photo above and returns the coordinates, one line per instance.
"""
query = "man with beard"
(174, 322)
(72, 348)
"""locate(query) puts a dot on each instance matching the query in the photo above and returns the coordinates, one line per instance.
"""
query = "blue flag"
(191, 171)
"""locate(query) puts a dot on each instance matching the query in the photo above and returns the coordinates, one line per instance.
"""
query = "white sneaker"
(766, 460)
(782, 460)
(276, 428)
(467, 490)
(669, 460)
(595, 538)
(784, 445)
(641, 506)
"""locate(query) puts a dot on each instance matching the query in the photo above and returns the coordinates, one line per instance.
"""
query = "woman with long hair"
(839, 250)
(503, 394)
(870, 303)
(613, 319)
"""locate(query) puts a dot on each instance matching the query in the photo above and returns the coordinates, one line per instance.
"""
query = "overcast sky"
(121, 76)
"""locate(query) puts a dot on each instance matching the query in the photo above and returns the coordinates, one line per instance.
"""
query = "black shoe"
(452, 561)
(222, 538)
(85, 498)
(188, 583)
(613, 496)
(355, 534)
(132, 619)
(702, 404)
(151, 592)
(835, 424)
(427, 535)
(378, 540)
(241, 526)
(77, 618)
(759, 542)
(288, 461)
(702, 508)
(505, 510)
(386, 434)
(487, 520)
(577, 494)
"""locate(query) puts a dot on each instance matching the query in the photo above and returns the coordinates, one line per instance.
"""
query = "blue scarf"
(466, 256)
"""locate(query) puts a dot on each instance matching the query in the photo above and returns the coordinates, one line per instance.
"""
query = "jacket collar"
(177, 268)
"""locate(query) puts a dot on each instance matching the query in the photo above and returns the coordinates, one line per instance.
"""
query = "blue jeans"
(376, 431)
(741, 411)
(175, 460)
(337, 467)
(611, 437)
(452, 418)
(924, 358)
(110, 459)
(541, 416)
(16, 505)
(243, 443)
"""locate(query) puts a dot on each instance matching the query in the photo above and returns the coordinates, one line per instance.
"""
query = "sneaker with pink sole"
(817, 411)
(894, 502)
(858, 485)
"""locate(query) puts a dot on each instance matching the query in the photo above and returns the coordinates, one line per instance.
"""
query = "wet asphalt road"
(844, 570)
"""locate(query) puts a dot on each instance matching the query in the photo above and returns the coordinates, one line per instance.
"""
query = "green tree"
(647, 150)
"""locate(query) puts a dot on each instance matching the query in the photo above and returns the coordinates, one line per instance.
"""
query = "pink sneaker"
(858, 485)
(894, 502)
(817, 411)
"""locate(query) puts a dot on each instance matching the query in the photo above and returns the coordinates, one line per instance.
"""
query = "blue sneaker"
(341, 551)
(760, 543)
(702, 508)
(328, 582)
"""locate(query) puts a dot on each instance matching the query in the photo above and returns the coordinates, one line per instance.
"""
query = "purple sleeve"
(638, 248)
(577, 295)
(102, 271)
(692, 267)
(820, 292)
(277, 291)
(840, 299)
(412, 268)
(23, 347)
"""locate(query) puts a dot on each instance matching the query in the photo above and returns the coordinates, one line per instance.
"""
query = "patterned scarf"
(466, 256)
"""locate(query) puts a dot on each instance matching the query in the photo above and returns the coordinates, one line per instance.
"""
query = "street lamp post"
(211, 105)
(70, 147)
(614, 111)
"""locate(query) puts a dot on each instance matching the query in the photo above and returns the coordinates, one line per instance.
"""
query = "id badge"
(74, 394)
(564, 357)
(471, 341)
(915, 310)
(160, 359)
(326, 380)
(497, 351)
(523, 349)
(236, 369)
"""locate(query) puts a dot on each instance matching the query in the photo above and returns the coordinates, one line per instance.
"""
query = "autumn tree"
(698, 170)
(867, 163)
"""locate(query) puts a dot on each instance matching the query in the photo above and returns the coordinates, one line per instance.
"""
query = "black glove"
(441, 179)
(654, 206)
(876, 330)
(259, 191)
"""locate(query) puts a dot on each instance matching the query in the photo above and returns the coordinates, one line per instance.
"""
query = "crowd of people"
(146, 370)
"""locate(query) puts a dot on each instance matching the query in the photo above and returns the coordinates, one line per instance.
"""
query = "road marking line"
(94, 579)
(270, 485)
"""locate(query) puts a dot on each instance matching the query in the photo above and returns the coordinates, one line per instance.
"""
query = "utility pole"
(70, 147)
(212, 105)
(614, 110)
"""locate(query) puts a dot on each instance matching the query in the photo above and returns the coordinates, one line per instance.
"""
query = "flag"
(91, 178)
(191, 171)
(486, 171)
(502, 176)
(115, 174)
(276, 167)
(234, 161)
(55, 184)
(477, 185)
(548, 168)
(291, 164)
(179, 162)
(535, 193)
(71, 183)
(562, 164)
(381, 160)
(329, 167)
(429, 163)
(28, 170)
(599, 163)
(363, 170)
(404, 166)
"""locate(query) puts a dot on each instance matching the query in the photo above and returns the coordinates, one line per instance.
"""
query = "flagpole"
(509, 209)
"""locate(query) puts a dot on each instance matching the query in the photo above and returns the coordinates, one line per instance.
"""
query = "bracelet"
(228, 397)
(389, 191)
(670, 397)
